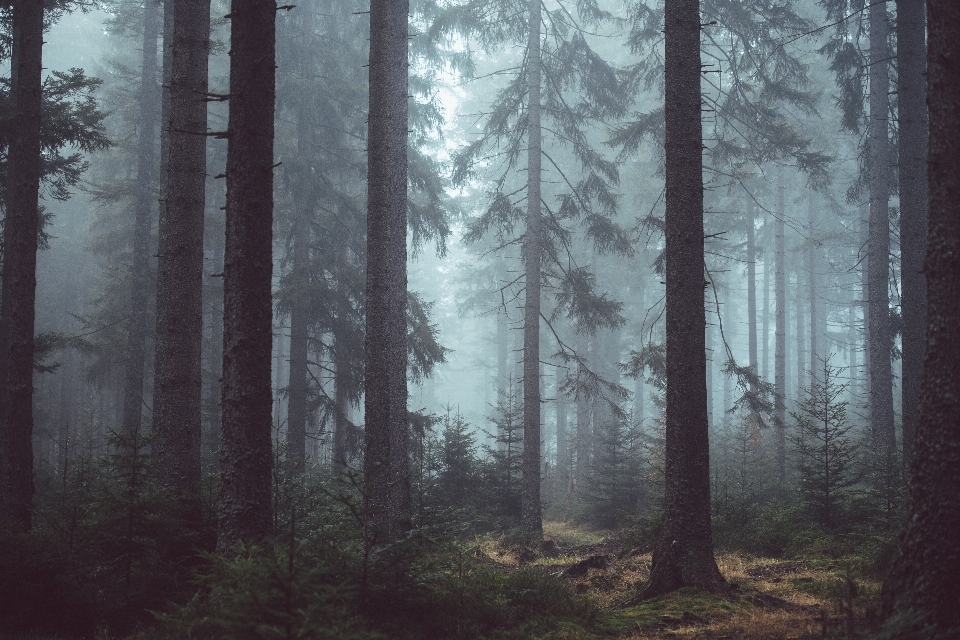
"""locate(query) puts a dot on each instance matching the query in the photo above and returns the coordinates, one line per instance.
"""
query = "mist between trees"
(389, 271)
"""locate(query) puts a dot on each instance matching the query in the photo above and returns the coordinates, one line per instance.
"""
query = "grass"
(793, 598)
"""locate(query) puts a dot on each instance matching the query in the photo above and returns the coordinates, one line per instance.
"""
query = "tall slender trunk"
(583, 434)
(386, 464)
(816, 349)
(800, 316)
(881, 375)
(922, 582)
(19, 280)
(709, 350)
(752, 291)
(247, 459)
(343, 445)
(149, 117)
(683, 554)
(530, 494)
(177, 379)
(298, 385)
(780, 342)
(765, 312)
(914, 205)
(865, 302)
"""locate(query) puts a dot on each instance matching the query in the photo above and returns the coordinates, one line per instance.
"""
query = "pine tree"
(177, 378)
(825, 452)
(247, 457)
(386, 467)
(19, 283)
(922, 581)
(683, 554)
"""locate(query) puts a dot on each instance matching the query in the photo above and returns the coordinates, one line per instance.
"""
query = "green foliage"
(297, 590)
(825, 452)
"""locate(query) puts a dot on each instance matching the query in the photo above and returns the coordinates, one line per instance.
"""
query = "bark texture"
(19, 284)
(149, 121)
(683, 555)
(531, 516)
(177, 378)
(246, 455)
(923, 578)
(881, 375)
(386, 464)
(914, 204)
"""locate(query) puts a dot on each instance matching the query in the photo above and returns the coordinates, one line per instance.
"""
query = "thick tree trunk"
(923, 578)
(246, 459)
(19, 281)
(683, 555)
(914, 203)
(780, 344)
(386, 465)
(530, 494)
(881, 375)
(177, 379)
(149, 121)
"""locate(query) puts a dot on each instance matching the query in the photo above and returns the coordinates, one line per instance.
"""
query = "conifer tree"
(921, 588)
(246, 454)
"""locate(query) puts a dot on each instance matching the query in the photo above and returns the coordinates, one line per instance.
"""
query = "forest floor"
(796, 598)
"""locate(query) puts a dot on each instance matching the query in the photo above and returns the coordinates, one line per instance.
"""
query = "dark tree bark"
(914, 199)
(923, 577)
(246, 456)
(343, 443)
(800, 315)
(386, 465)
(19, 283)
(683, 555)
(865, 302)
(531, 516)
(149, 121)
(881, 375)
(780, 344)
(177, 378)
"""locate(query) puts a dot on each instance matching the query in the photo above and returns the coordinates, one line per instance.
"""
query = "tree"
(19, 283)
(825, 453)
(922, 581)
(246, 453)
(914, 203)
(780, 337)
(683, 554)
(149, 117)
(386, 464)
(177, 378)
(878, 296)
(555, 94)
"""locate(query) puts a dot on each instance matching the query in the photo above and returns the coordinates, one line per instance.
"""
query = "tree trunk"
(19, 280)
(246, 459)
(881, 375)
(386, 465)
(752, 291)
(177, 379)
(683, 555)
(780, 344)
(801, 317)
(298, 385)
(583, 434)
(923, 577)
(816, 349)
(765, 313)
(143, 208)
(530, 494)
(914, 198)
(343, 443)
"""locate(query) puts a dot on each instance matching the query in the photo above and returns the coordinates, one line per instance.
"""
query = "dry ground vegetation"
(812, 597)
